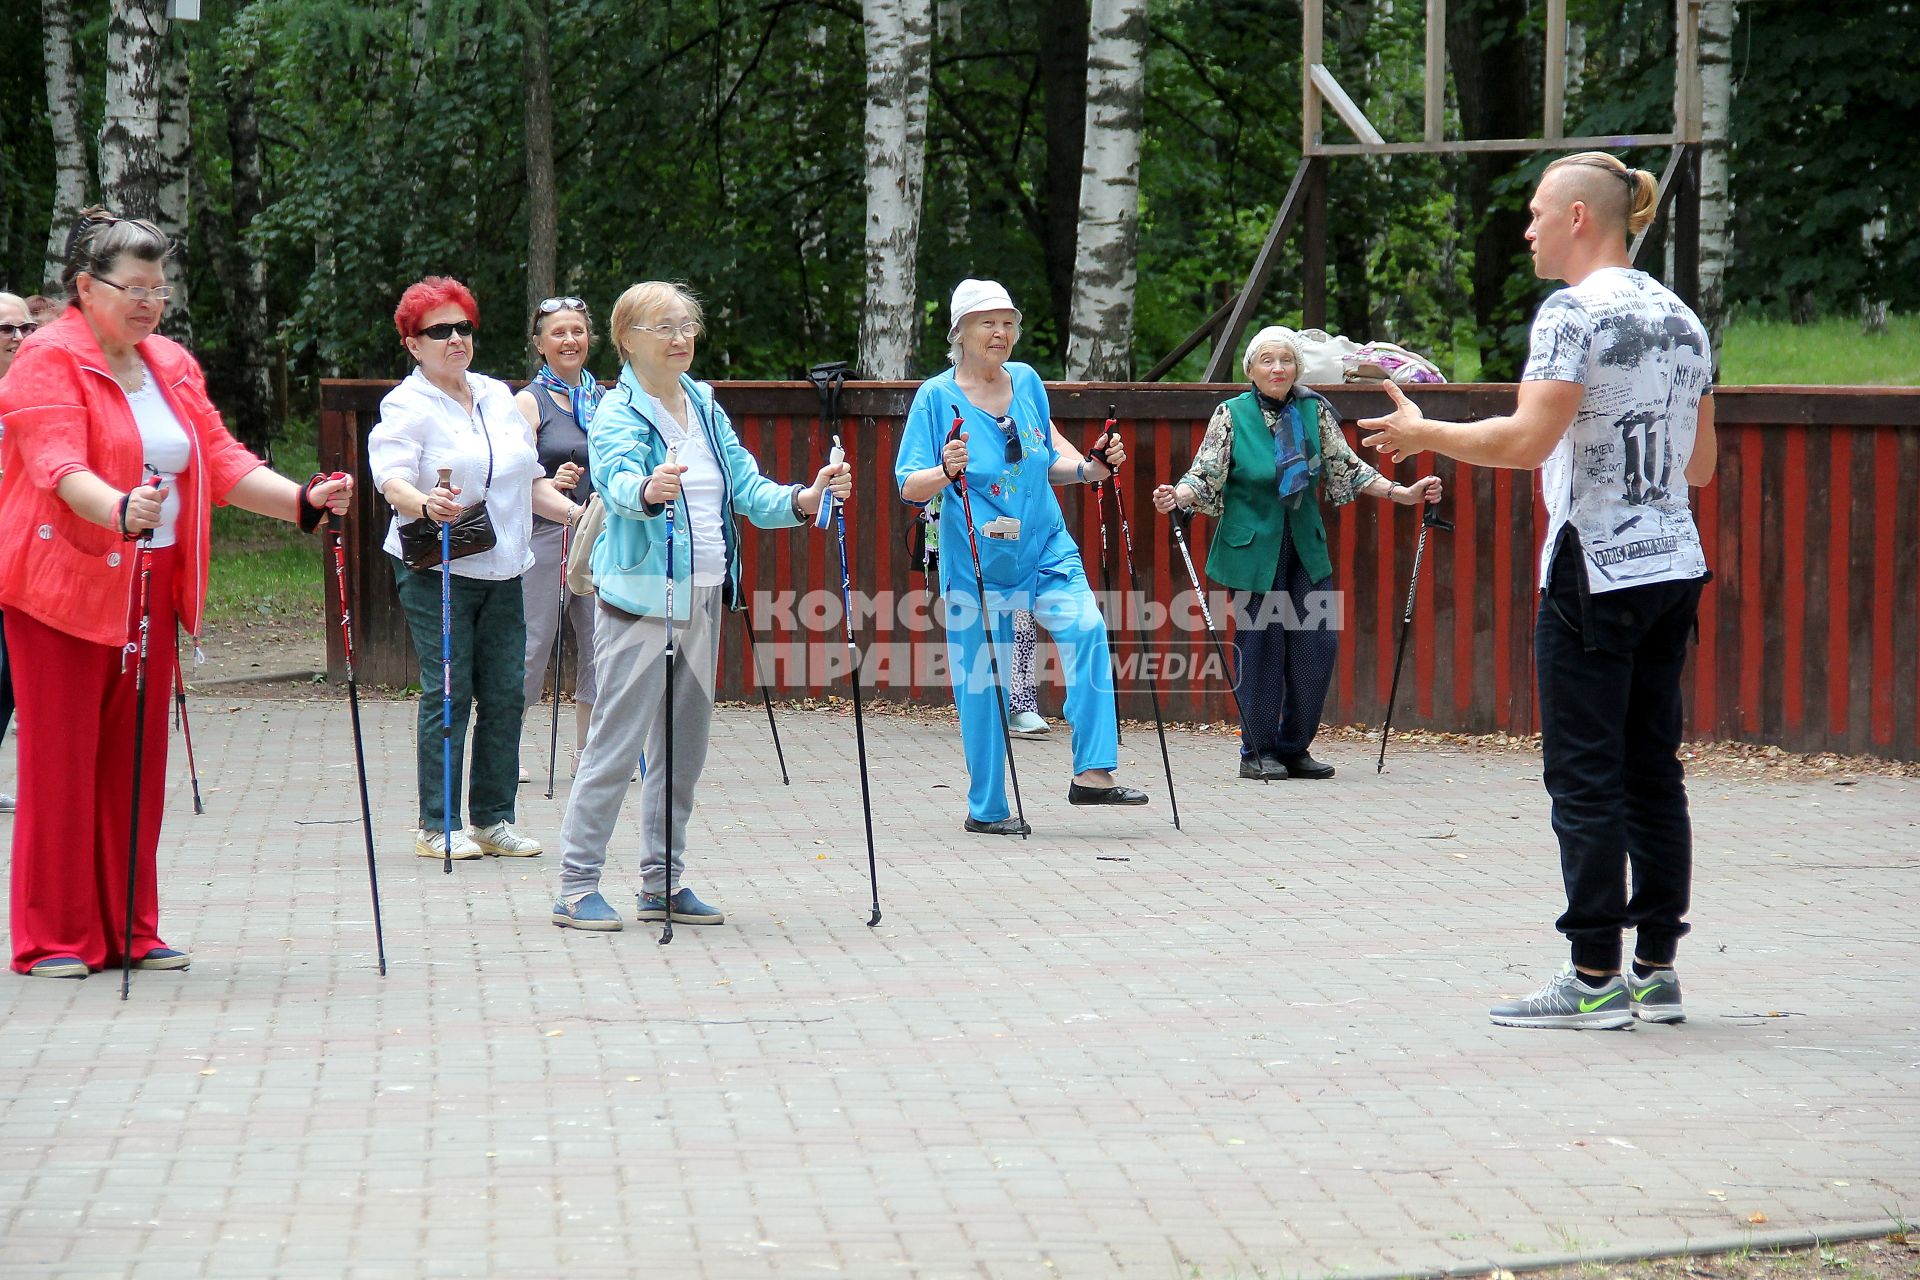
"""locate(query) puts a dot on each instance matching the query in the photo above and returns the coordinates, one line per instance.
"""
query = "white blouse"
(423, 429)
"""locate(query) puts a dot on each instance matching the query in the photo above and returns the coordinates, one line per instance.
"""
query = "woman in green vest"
(1267, 457)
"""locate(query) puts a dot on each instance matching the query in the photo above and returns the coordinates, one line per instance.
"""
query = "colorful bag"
(1388, 362)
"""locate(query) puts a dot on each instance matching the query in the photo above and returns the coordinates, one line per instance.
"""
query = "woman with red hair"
(443, 416)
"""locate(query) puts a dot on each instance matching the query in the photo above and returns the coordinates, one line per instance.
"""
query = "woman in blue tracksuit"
(1011, 457)
(654, 407)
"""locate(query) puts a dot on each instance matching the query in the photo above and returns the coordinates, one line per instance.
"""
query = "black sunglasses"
(18, 330)
(1014, 451)
(441, 332)
(569, 303)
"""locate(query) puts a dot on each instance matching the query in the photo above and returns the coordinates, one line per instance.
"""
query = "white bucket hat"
(970, 296)
(1273, 335)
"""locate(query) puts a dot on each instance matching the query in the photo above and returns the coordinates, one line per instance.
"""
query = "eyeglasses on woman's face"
(17, 331)
(441, 332)
(136, 293)
(668, 332)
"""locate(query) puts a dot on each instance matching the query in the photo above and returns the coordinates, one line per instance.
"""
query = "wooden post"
(1555, 35)
(1436, 70)
(1313, 259)
(1220, 366)
(1683, 225)
(1313, 40)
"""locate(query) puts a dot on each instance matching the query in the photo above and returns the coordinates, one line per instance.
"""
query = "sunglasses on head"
(441, 332)
(568, 303)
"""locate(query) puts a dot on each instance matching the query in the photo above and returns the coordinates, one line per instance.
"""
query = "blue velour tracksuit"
(1040, 571)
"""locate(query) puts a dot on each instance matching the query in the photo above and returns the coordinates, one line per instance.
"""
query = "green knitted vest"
(1246, 542)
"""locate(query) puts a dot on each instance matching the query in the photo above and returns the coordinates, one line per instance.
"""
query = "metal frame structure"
(1306, 198)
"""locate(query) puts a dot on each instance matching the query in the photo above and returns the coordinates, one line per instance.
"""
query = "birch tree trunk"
(130, 129)
(1717, 19)
(543, 211)
(70, 176)
(899, 40)
(173, 207)
(1100, 342)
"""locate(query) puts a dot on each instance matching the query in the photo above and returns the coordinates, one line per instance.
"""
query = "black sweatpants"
(1610, 712)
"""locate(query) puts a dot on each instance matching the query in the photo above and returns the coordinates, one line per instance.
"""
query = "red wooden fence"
(1809, 634)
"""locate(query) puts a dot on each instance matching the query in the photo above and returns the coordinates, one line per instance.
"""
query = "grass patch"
(262, 568)
(1831, 352)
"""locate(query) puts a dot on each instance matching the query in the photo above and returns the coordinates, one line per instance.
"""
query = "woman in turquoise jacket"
(656, 407)
(1012, 457)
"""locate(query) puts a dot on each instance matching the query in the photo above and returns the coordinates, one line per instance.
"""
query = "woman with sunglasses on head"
(1011, 456)
(443, 416)
(114, 459)
(558, 404)
(657, 411)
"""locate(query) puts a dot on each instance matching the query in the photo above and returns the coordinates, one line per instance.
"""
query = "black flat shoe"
(1261, 768)
(1004, 827)
(1077, 794)
(1305, 766)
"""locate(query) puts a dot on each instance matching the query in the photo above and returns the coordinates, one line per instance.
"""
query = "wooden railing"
(1809, 634)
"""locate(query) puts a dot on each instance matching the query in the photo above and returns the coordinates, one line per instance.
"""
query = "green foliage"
(719, 142)
(1824, 95)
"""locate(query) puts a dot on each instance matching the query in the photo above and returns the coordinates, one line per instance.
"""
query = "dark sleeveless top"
(560, 439)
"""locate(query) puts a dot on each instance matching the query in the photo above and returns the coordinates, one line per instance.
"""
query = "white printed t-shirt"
(1619, 473)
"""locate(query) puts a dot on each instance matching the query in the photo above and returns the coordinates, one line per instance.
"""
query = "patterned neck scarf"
(585, 397)
(1294, 472)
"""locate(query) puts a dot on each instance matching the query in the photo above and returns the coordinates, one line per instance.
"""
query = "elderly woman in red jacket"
(112, 453)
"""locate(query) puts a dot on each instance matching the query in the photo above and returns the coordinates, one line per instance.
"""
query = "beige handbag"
(586, 531)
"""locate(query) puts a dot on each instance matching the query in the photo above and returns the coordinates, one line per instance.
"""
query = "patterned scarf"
(1293, 470)
(585, 397)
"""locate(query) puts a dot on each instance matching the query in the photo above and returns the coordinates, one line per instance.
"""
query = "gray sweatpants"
(542, 586)
(629, 719)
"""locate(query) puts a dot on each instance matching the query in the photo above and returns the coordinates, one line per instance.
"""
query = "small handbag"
(586, 531)
(470, 532)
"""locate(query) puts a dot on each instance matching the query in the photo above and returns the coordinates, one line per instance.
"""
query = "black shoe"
(1004, 827)
(1305, 766)
(1077, 794)
(1261, 768)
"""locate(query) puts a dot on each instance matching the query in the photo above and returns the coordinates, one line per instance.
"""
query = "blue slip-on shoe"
(687, 909)
(163, 958)
(591, 912)
(59, 967)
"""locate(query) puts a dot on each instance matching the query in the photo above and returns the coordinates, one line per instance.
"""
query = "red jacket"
(63, 413)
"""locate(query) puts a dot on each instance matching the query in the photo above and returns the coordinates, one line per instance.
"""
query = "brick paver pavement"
(1257, 1047)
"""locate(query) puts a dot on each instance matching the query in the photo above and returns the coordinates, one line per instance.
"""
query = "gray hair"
(99, 240)
(1272, 336)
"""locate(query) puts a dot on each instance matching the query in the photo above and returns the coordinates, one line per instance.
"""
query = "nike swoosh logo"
(1588, 1006)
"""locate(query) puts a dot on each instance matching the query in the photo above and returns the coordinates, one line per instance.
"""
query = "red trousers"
(76, 717)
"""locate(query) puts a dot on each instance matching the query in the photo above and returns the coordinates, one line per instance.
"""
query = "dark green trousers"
(489, 666)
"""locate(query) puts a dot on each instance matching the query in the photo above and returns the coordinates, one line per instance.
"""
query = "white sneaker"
(502, 841)
(433, 844)
(6, 802)
(1027, 724)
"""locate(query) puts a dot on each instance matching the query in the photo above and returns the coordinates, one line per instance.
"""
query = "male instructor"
(1614, 409)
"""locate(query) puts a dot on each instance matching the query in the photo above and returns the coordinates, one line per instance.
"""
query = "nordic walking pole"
(1133, 586)
(145, 552)
(837, 456)
(559, 647)
(446, 680)
(666, 931)
(186, 731)
(766, 696)
(1106, 562)
(986, 628)
(560, 644)
(336, 525)
(1180, 521)
(1430, 519)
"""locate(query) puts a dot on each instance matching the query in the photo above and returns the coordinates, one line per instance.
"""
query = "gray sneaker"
(1569, 1003)
(1656, 997)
